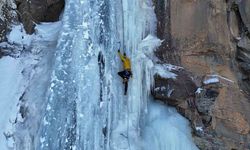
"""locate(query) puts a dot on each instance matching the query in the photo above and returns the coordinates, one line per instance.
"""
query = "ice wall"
(84, 107)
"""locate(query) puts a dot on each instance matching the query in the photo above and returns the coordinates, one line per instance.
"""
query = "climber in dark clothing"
(126, 73)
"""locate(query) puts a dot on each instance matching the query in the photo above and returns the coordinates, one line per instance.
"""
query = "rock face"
(210, 39)
(7, 15)
(174, 91)
(30, 12)
(244, 10)
(36, 11)
(180, 93)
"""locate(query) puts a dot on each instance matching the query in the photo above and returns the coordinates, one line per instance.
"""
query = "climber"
(126, 73)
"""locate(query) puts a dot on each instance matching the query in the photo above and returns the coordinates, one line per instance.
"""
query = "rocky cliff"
(29, 13)
(210, 39)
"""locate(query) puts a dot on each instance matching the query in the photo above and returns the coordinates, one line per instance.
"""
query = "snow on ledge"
(199, 129)
(198, 91)
(211, 80)
(19, 36)
(164, 73)
(11, 78)
(164, 70)
(223, 78)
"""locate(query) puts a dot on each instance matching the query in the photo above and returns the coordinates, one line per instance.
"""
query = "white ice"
(163, 72)
(166, 129)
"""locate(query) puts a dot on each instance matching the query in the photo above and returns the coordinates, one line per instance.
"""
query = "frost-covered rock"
(17, 42)
(7, 14)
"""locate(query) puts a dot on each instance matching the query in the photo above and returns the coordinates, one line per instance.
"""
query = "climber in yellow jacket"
(126, 73)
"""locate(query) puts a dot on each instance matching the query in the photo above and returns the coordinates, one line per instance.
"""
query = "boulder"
(174, 91)
(36, 11)
(179, 92)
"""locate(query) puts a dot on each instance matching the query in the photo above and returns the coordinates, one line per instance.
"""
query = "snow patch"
(215, 79)
(211, 80)
(198, 91)
(199, 129)
(160, 88)
(18, 35)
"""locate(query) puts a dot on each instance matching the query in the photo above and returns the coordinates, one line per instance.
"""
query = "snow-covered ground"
(10, 91)
(73, 95)
(18, 75)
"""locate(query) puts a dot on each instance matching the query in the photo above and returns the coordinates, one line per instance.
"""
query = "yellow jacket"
(126, 62)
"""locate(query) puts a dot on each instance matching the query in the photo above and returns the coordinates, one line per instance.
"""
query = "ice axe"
(119, 47)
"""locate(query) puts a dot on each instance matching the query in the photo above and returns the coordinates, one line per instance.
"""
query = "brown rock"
(37, 11)
(179, 92)
(202, 37)
(52, 2)
(231, 107)
(54, 10)
(174, 91)
(191, 114)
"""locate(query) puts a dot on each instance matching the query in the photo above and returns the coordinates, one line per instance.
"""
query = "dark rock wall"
(32, 12)
(166, 52)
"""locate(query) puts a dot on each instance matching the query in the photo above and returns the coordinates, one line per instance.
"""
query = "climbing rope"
(128, 123)
(123, 45)
(123, 48)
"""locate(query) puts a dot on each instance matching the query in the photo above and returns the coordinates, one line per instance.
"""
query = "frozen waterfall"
(84, 107)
